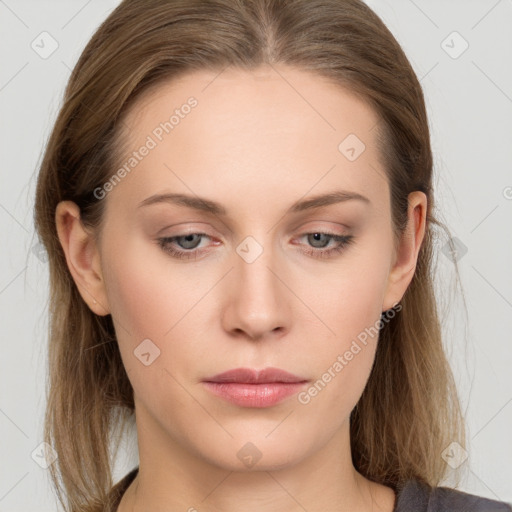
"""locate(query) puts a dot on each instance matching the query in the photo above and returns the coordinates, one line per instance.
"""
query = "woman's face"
(230, 274)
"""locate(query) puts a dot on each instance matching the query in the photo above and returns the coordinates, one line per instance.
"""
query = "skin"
(256, 143)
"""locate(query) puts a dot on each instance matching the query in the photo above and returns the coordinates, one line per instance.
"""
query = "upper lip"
(252, 376)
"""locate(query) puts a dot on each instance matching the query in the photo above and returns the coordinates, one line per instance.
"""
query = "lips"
(246, 387)
(250, 376)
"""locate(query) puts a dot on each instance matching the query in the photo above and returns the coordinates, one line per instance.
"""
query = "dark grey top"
(413, 496)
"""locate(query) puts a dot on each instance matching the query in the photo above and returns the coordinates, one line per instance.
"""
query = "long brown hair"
(409, 411)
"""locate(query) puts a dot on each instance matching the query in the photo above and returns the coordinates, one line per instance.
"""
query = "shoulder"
(416, 496)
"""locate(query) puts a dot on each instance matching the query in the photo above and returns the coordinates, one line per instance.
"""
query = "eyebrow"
(209, 206)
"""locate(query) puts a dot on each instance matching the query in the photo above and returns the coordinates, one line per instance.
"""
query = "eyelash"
(343, 242)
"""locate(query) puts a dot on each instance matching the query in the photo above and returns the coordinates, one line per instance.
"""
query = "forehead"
(253, 134)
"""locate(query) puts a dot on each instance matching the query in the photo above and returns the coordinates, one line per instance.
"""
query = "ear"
(82, 257)
(406, 254)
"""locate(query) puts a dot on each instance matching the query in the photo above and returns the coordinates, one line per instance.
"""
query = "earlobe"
(82, 256)
(408, 249)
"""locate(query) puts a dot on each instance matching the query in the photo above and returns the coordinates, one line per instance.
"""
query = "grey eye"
(316, 239)
(189, 241)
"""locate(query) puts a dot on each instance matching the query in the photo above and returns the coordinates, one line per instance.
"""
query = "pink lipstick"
(246, 387)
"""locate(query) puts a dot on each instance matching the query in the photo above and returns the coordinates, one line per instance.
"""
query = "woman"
(237, 204)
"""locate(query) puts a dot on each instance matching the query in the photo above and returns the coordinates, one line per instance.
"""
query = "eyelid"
(190, 228)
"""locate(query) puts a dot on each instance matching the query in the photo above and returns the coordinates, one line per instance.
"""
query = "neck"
(171, 478)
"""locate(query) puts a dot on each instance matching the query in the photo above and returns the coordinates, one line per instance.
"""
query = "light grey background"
(469, 99)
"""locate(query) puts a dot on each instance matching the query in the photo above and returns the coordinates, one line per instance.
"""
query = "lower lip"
(254, 395)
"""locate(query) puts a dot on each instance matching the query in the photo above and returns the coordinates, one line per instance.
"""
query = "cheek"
(147, 294)
(153, 298)
(343, 364)
(350, 304)
(135, 298)
(149, 311)
(348, 295)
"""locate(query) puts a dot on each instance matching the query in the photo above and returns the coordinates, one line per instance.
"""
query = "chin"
(249, 454)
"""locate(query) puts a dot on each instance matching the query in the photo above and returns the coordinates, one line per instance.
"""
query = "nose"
(258, 303)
